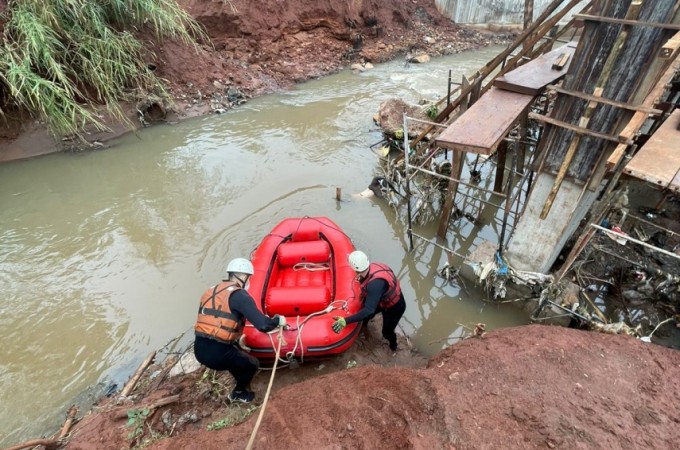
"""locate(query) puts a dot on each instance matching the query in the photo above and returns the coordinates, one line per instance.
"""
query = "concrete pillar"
(536, 243)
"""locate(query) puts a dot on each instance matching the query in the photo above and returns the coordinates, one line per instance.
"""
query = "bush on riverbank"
(60, 59)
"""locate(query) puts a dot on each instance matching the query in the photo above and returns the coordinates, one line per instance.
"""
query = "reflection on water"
(103, 255)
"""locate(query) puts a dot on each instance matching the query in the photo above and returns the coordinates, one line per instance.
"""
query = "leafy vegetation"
(432, 111)
(136, 419)
(236, 415)
(59, 59)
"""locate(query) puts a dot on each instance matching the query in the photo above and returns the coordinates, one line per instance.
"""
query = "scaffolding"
(536, 123)
(509, 152)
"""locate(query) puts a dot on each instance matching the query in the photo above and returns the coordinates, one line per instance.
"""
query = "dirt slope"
(269, 45)
(527, 387)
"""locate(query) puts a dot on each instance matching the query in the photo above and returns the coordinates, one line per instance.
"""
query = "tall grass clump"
(60, 59)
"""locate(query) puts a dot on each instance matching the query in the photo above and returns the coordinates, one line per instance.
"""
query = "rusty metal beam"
(486, 123)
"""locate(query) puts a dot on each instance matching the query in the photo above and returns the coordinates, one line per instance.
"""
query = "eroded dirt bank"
(526, 387)
(265, 46)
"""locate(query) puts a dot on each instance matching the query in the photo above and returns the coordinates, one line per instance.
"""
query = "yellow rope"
(251, 441)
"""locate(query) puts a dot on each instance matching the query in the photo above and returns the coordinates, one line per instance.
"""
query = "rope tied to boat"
(251, 441)
(298, 329)
(311, 267)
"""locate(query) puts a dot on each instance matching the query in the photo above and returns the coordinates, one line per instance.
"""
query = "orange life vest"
(381, 271)
(215, 319)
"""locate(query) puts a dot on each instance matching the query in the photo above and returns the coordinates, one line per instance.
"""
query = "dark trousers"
(391, 317)
(220, 356)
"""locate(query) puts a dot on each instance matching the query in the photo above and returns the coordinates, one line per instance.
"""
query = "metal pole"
(528, 12)
(508, 203)
(477, 198)
(408, 184)
(430, 241)
(628, 238)
(438, 175)
(448, 90)
(434, 124)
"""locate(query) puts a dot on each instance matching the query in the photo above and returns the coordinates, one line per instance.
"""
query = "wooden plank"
(605, 101)
(658, 161)
(573, 146)
(456, 169)
(485, 124)
(670, 46)
(579, 130)
(639, 23)
(522, 144)
(529, 47)
(532, 77)
(465, 83)
(539, 27)
(561, 61)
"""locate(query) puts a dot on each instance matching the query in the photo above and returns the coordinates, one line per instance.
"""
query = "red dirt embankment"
(515, 388)
(269, 45)
(264, 46)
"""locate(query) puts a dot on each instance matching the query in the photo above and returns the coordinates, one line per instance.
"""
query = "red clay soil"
(265, 46)
(527, 387)
(269, 45)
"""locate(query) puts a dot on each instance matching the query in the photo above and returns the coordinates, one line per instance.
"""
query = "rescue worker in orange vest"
(222, 313)
(380, 293)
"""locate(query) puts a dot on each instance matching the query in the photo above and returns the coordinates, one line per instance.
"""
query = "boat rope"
(311, 267)
(299, 326)
(251, 441)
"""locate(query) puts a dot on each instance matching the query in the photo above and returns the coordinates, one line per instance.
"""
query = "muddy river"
(103, 255)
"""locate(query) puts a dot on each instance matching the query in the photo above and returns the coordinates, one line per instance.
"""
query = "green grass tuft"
(59, 59)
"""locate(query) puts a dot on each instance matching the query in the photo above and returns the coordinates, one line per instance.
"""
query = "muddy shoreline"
(533, 386)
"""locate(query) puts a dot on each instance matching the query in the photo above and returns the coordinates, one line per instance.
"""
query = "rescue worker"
(222, 313)
(380, 293)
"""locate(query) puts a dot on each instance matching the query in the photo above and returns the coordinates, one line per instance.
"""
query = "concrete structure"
(509, 12)
(616, 66)
(537, 243)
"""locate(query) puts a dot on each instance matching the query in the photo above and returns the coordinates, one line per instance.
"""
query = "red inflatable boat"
(302, 273)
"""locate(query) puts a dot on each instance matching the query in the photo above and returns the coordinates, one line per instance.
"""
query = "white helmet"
(358, 260)
(240, 265)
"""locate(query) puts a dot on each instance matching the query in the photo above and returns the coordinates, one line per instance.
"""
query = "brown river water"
(104, 254)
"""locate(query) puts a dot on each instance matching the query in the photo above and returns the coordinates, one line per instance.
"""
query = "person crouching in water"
(222, 313)
(380, 293)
